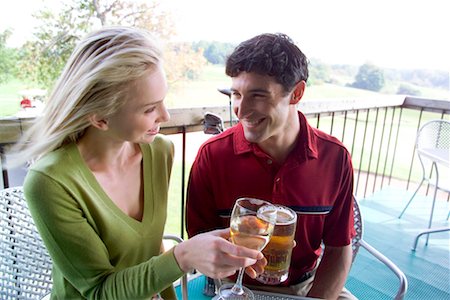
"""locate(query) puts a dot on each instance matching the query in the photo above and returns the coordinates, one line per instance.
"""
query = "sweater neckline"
(137, 225)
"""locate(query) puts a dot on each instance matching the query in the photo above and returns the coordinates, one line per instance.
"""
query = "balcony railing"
(379, 133)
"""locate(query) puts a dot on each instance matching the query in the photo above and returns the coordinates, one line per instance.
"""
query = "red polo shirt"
(316, 181)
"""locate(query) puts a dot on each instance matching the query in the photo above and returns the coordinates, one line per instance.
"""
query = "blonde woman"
(98, 188)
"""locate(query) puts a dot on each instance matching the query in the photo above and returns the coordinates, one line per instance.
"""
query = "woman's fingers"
(223, 233)
(213, 255)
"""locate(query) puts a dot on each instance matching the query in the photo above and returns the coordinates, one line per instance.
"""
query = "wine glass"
(251, 225)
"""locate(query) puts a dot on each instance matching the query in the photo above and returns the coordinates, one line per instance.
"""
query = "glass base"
(226, 293)
(273, 278)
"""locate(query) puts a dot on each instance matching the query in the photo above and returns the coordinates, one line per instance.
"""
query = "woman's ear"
(298, 92)
(97, 122)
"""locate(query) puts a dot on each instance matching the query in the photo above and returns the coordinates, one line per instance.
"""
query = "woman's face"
(139, 119)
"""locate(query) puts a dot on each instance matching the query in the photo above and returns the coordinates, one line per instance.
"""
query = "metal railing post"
(183, 172)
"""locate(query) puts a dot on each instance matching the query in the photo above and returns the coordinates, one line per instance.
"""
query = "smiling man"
(274, 154)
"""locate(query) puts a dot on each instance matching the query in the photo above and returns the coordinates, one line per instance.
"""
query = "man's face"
(262, 106)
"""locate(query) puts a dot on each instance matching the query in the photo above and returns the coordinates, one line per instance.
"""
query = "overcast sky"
(389, 33)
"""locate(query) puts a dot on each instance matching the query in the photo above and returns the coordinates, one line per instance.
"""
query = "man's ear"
(97, 122)
(298, 92)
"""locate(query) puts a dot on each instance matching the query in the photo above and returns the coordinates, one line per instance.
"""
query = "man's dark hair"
(270, 54)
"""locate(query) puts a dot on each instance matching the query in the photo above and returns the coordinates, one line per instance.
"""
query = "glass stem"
(237, 288)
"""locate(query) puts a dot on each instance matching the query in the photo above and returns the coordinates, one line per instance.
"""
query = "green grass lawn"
(10, 97)
(324, 91)
(173, 224)
(364, 156)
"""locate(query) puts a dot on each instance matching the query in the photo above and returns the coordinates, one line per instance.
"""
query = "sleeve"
(339, 225)
(170, 155)
(201, 210)
(81, 257)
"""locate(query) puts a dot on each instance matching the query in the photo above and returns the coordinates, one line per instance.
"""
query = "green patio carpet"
(427, 269)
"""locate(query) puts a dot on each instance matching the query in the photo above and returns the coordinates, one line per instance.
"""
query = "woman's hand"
(213, 255)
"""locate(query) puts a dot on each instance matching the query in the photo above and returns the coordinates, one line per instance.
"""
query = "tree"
(215, 52)
(407, 89)
(59, 32)
(7, 57)
(52, 45)
(319, 73)
(369, 77)
(182, 62)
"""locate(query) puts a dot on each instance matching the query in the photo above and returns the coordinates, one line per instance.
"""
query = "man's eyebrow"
(253, 90)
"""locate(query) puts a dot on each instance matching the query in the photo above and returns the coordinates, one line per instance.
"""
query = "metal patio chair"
(433, 149)
(25, 270)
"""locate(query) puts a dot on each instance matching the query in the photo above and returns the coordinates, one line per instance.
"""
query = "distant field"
(203, 92)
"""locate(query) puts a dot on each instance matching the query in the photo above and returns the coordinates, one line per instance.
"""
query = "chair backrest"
(433, 149)
(25, 271)
(357, 219)
(434, 134)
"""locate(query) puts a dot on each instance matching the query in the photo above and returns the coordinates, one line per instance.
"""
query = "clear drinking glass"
(251, 225)
(279, 250)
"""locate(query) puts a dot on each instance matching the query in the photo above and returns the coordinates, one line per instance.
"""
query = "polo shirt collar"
(241, 145)
(306, 144)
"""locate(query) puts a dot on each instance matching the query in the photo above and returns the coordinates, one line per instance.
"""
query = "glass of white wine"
(251, 225)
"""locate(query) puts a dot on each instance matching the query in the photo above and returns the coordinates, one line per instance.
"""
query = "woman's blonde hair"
(96, 79)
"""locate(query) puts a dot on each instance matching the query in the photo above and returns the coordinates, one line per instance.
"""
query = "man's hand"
(257, 268)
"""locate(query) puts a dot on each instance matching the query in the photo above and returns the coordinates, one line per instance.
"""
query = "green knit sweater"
(98, 251)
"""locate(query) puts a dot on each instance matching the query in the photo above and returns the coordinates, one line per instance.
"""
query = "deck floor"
(427, 269)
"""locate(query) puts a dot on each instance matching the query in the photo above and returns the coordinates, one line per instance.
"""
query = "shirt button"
(269, 161)
(277, 180)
